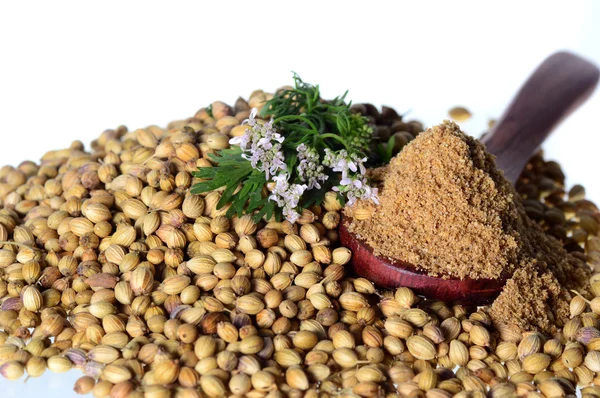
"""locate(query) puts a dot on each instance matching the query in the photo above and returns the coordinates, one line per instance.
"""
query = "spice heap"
(109, 265)
(446, 209)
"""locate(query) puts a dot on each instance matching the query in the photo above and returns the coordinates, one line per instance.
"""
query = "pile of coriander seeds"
(109, 265)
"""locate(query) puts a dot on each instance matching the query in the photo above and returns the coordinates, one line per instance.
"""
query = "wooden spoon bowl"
(558, 86)
(393, 273)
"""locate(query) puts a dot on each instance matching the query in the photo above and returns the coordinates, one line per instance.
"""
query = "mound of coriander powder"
(448, 210)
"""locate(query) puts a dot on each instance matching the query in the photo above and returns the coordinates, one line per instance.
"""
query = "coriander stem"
(298, 117)
(336, 137)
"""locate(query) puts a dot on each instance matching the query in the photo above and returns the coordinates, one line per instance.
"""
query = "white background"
(69, 70)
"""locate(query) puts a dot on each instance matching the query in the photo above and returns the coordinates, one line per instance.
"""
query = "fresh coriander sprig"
(300, 111)
(286, 164)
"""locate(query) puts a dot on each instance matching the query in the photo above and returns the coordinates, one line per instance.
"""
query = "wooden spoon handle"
(556, 88)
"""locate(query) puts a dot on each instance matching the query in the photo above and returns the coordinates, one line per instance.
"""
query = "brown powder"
(531, 300)
(447, 209)
(537, 295)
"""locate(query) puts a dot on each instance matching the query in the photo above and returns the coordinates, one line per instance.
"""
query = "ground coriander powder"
(448, 210)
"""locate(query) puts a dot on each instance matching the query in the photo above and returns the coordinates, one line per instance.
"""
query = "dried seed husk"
(416, 316)
(451, 328)
(343, 339)
(223, 256)
(251, 345)
(141, 281)
(553, 347)
(250, 304)
(592, 361)
(287, 357)
(12, 370)
(531, 344)
(353, 301)
(345, 357)
(297, 378)
(584, 375)
(301, 257)
(101, 309)
(459, 354)
(103, 354)
(479, 335)
(205, 347)
(421, 347)
(175, 284)
(59, 364)
(116, 374)
(427, 379)
(507, 350)
(535, 363)
(571, 327)
(310, 233)
(585, 335)
(240, 384)
(212, 386)
(459, 113)
(245, 226)
(32, 298)
(551, 388)
(166, 371)
(272, 263)
(577, 306)
(84, 385)
(398, 327)
(572, 357)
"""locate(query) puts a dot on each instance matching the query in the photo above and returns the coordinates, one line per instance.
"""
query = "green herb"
(303, 117)
(385, 152)
(310, 145)
(209, 110)
(231, 171)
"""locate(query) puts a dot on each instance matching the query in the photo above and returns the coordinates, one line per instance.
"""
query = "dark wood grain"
(556, 88)
(560, 84)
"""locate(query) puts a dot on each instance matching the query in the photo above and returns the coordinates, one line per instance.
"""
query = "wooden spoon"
(558, 86)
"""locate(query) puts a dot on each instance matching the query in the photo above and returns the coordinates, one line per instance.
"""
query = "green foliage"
(209, 110)
(243, 184)
(385, 152)
(301, 116)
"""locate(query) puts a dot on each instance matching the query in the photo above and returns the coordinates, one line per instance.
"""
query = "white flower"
(353, 183)
(355, 188)
(290, 214)
(261, 145)
(309, 169)
(251, 121)
(342, 162)
(287, 196)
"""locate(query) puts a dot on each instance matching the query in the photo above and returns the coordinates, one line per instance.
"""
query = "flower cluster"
(287, 196)
(354, 182)
(261, 144)
(310, 170)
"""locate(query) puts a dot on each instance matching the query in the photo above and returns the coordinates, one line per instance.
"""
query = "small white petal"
(345, 181)
(235, 141)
